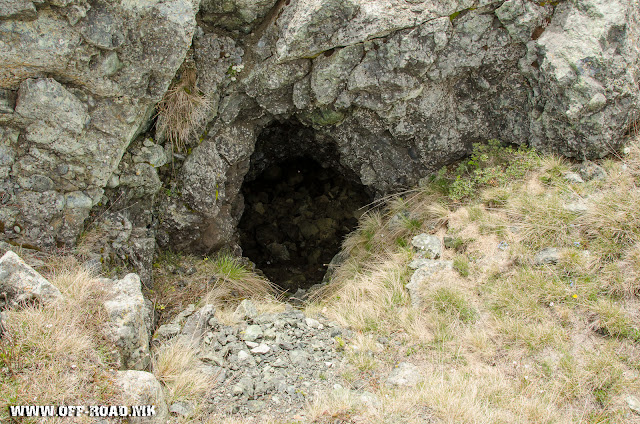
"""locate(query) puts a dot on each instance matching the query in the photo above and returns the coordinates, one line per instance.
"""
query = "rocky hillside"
(145, 118)
(320, 211)
(502, 289)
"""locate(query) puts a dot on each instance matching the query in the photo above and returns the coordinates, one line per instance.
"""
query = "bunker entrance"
(297, 213)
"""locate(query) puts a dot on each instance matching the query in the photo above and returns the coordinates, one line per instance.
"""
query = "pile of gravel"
(269, 364)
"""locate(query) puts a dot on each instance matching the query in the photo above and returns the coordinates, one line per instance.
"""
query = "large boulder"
(130, 321)
(19, 283)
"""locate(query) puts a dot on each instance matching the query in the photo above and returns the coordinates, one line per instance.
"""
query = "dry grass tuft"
(183, 110)
(175, 365)
(233, 281)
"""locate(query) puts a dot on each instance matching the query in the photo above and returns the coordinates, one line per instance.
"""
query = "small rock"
(280, 363)
(167, 331)
(21, 283)
(198, 322)
(405, 374)
(255, 405)
(573, 177)
(590, 171)
(285, 345)
(269, 334)
(279, 251)
(213, 358)
(548, 256)
(142, 388)
(313, 323)
(634, 404)
(370, 399)
(578, 208)
(179, 319)
(427, 245)
(422, 276)
(182, 409)
(251, 345)
(299, 357)
(262, 349)
(243, 355)
(252, 333)
(246, 309)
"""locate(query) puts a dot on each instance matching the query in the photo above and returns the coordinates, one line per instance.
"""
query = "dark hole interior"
(296, 215)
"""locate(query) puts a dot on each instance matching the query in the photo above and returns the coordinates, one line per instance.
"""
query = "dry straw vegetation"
(51, 355)
(499, 338)
(183, 110)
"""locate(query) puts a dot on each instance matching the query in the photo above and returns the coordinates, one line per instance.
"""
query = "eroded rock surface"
(397, 88)
(19, 283)
(130, 321)
(402, 88)
(79, 79)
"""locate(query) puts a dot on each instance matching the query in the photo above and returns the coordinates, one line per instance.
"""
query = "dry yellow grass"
(56, 354)
(183, 110)
(513, 341)
(175, 365)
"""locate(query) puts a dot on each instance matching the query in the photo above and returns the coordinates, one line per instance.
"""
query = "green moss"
(323, 117)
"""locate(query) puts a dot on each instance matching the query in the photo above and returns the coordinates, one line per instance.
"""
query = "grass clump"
(233, 281)
(183, 110)
(462, 265)
(175, 365)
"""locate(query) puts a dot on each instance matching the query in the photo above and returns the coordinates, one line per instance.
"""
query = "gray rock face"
(374, 82)
(142, 388)
(21, 283)
(129, 321)
(379, 81)
(79, 80)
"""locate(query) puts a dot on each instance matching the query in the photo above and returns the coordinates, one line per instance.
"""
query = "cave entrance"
(296, 215)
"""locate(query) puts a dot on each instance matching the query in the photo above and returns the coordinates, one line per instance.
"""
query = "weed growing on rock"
(183, 110)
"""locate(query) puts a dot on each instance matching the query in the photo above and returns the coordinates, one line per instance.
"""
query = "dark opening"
(296, 216)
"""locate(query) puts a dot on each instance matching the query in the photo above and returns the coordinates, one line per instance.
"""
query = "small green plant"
(340, 344)
(461, 264)
(452, 303)
(490, 165)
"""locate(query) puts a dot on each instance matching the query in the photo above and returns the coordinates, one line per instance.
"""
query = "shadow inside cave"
(296, 216)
